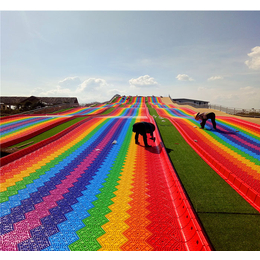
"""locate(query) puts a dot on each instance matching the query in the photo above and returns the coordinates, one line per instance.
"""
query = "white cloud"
(90, 90)
(143, 81)
(250, 93)
(254, 61)
(184, 77)
(58, 91)
(215, 78)
(112, 92)
(248, 88)
(93, 84)
(244, 97)
(202, 88)
(35, 91)
(70, 82)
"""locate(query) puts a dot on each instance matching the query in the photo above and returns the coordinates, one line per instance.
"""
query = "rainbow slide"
(233, 150)
(93, 189)
(15, 129)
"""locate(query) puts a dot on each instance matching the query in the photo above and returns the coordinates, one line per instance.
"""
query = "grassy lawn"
(229, 221)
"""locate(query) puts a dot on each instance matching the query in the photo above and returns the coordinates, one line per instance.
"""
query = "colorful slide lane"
(83, 111)
(233, 150)
(94, 189)
(17, 129)
(95, 110)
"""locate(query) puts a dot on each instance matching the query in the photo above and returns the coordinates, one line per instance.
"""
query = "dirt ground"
(167, 101)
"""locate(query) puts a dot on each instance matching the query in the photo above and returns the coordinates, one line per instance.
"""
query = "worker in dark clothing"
(204, 117)
(142, 128)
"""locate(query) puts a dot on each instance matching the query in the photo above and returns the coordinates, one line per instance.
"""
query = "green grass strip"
(111, 109)
(46, 120)
(229, 221)
(62, 110)
(55, 130)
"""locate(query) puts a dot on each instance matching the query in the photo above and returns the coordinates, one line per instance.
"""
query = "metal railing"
(229, 110)
(236, 111)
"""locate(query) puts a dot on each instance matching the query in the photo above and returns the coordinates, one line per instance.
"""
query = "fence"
(229, 110)
(237, 111)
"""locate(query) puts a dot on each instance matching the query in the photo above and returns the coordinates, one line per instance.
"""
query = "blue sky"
(92, 55)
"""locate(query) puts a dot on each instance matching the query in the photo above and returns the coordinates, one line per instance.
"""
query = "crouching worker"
(142, 128)
(204, 117)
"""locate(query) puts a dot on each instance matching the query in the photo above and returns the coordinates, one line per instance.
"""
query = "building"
(4, 106)
(192, 102)
(33, 102)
